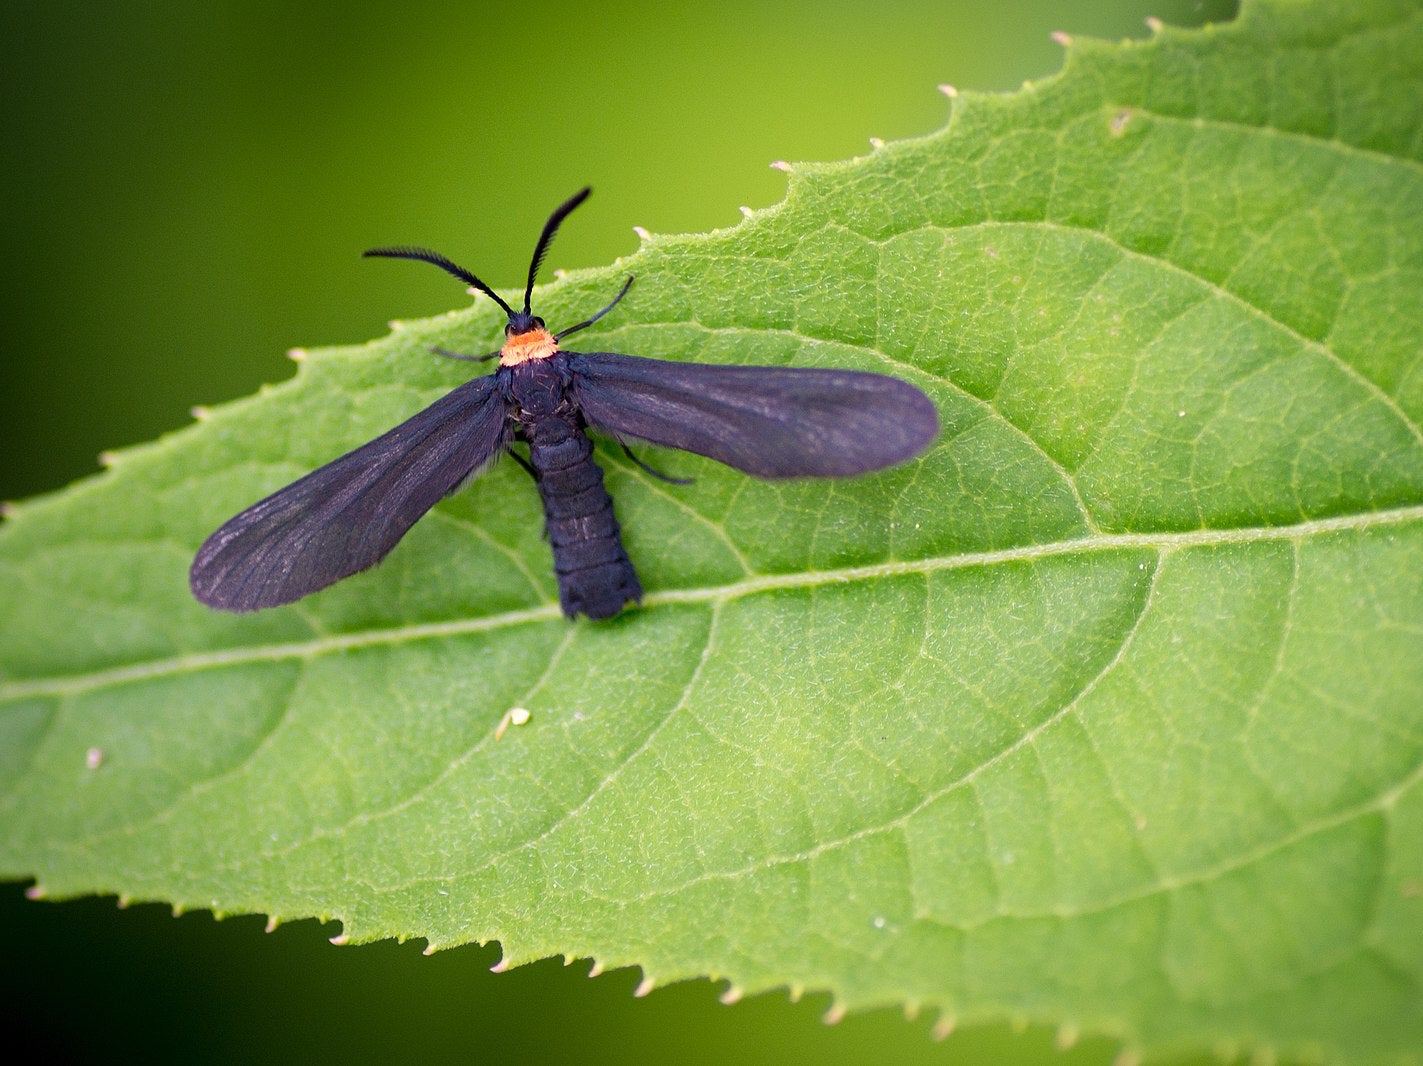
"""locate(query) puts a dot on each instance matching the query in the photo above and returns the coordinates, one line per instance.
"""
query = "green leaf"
(1105, 714)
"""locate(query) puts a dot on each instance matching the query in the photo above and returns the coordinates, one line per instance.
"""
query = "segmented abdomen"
(595, 576)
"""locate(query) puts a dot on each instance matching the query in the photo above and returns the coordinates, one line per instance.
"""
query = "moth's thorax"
(537, 343)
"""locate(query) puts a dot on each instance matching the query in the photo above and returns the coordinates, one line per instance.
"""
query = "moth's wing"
(347, 515)
(773, 422)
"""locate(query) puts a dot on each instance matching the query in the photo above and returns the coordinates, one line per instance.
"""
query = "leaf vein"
(713, 594)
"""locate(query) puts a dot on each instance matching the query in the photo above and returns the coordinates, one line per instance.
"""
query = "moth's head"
(526, 339)
(521, 322)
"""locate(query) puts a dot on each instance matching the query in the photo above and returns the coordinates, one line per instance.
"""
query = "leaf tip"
(340, 940)
(36, 891)
(782, 166)
(1061, 38)
(200, 413)
(500, 966)
(948, 90)
(1066, 1037)
(944, 1027)
(1154, 24)
(646, 985)
(642, 233)
(595, 969)
(835, 1015)
(746, 211)
(296, 355)
(272, 922)
(876, 143)
(108, 459)
(911, 1010)
(93, 758)
(730, 995)
(122, 902)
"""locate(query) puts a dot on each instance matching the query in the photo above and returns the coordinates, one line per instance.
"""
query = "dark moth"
(771, 422)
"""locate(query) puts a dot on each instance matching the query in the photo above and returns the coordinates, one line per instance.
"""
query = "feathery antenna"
(546, 238)
(424, 255)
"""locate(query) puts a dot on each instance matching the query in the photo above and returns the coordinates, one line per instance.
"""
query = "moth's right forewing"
(350, 513)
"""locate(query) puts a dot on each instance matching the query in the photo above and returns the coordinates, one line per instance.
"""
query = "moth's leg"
(465, 358)
(654, 472)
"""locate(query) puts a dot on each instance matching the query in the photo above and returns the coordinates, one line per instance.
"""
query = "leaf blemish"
(513, 716)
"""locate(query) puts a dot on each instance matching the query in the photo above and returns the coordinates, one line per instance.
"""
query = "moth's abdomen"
(595, 576)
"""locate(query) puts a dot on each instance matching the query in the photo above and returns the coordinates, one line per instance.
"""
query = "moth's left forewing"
(772, 422)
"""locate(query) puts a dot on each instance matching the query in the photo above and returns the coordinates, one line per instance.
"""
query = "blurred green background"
(187, 190)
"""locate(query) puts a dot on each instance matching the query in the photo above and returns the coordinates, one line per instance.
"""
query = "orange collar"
(537, 343)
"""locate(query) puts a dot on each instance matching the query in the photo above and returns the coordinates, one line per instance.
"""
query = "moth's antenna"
(546, 238)
(424, 255)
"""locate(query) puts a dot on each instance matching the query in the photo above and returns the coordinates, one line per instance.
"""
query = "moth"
(770, 422)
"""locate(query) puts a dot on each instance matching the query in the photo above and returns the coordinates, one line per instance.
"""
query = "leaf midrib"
(1164, 543)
